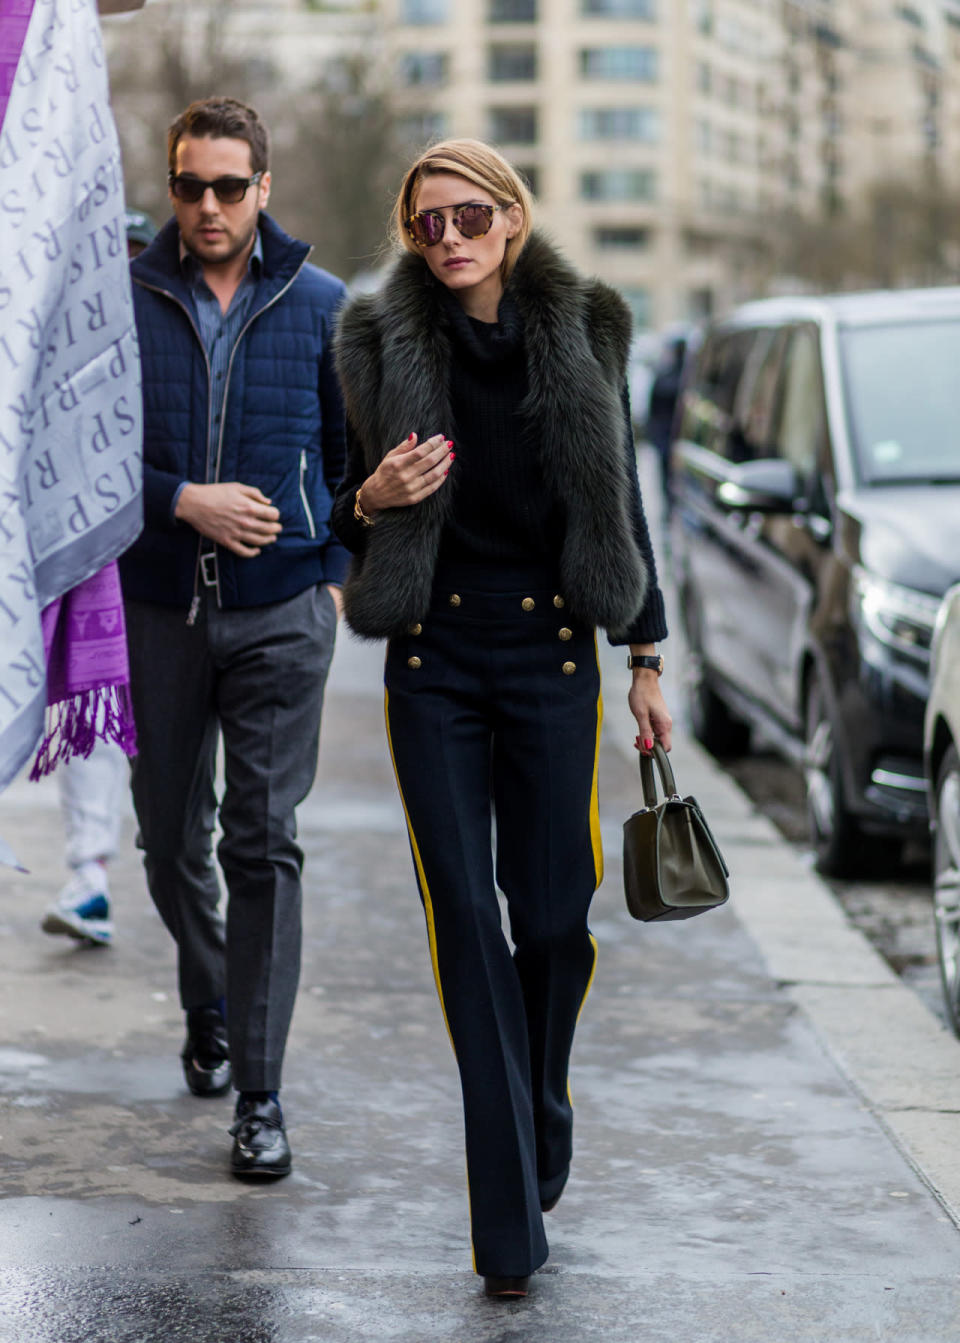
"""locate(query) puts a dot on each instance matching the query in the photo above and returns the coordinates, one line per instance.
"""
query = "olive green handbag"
(672, 867)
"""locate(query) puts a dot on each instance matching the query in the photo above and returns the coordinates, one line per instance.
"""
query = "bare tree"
(334, 152)
(901, 232)
(336, 174)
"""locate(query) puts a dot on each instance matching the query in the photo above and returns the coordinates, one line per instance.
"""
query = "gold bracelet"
(358, 512)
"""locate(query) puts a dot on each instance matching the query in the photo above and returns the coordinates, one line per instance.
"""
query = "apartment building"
(869, 95)
(637, 123)
(668, 140)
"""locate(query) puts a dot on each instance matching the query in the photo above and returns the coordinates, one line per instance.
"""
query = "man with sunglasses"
(232, 594)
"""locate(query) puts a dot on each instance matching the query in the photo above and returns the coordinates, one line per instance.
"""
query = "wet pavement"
(761, 1120)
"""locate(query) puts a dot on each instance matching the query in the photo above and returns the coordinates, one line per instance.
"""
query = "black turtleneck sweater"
(501, 510)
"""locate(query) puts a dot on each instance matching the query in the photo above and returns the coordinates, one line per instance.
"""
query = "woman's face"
(468, 266)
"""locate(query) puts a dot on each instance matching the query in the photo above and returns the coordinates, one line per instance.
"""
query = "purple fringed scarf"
(88, 672)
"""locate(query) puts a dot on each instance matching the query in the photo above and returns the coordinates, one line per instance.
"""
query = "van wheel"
(946, 883)
(834, 833)
(711, 722)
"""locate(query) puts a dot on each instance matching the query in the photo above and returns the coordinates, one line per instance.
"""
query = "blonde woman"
(492, 508)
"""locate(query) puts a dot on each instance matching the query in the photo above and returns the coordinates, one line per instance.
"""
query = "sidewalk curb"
(902, 1062)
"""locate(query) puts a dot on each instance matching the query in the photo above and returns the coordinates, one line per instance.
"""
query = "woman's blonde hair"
(480, 164)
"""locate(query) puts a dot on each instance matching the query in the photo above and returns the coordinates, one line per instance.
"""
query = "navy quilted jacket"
(283, 425)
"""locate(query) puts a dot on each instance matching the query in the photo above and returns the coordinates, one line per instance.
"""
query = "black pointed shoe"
(260, 1144)
(206, 1053)
(505, 1288)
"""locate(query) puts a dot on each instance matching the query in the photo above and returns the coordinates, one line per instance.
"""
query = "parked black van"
(815, 473)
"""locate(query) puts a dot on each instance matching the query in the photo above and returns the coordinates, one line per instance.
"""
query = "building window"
(424, 11)
(512, 11)
(618, 184)
(633, 63)
(704, 78)
(513, 125)
(423, 67)
(420, 128)
(620, 123)
(640, 305)
(512, 62)
(703, 17)
(619, 9)
(621, 239)
(910, 15)
(703, 137)
(730, 90)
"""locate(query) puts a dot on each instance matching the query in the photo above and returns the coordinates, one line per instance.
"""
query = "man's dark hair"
(221, 117)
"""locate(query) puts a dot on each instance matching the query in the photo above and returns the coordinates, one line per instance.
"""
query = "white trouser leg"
(91, 795)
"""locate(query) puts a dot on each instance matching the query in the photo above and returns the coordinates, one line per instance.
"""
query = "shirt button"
(568, 668)
(558, 602)
(565, 634)
(528, 603)
(415, 629)
(413, 663)
(454, 599)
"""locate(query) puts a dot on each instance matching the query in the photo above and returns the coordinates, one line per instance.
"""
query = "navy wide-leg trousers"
(493, 714)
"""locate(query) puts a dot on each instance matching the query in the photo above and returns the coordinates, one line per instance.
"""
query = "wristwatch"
(653, 661)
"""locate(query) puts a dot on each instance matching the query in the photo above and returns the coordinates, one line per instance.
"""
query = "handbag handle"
(648, 781)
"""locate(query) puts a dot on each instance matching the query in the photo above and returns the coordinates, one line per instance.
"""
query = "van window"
(753, 416)
(709, 400)
(801, 421)
(903, 399)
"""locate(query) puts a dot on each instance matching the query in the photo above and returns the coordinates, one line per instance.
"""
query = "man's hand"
(237, 516)
(336, 592)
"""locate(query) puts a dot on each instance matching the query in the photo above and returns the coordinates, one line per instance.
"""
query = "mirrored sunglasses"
(472, 220)
(228, 190)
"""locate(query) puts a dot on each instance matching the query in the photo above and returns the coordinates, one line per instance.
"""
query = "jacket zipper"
(236, 345)
(303, 493)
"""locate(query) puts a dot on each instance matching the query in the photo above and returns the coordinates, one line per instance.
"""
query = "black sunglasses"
(228, 190)
(474, 219)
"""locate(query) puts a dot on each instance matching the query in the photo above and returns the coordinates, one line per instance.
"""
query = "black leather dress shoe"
(260, 1144)
(504, 1288)
(206, 1053)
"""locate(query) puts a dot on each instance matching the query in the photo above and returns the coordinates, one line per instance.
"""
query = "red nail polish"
(411, 438)
(452, 456)
(648, 743)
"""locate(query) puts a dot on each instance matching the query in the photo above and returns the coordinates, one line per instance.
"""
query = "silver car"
(942, 762)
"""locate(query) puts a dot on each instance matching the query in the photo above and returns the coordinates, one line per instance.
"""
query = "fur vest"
(393, 355)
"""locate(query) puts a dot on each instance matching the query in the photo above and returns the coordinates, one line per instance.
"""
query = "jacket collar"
(158, 266)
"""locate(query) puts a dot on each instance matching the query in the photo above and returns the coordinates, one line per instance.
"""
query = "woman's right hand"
(410, 472)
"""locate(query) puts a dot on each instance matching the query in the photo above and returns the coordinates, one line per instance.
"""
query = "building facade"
(668, 140)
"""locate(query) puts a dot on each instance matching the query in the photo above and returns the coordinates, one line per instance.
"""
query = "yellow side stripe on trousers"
(596, 840)
(421, 876)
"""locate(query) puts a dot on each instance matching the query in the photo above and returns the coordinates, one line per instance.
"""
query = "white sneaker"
(82, 909)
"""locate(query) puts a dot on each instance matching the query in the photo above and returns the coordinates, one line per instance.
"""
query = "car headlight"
(901, 618)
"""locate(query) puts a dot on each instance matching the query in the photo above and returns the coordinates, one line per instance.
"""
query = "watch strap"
(652, 661)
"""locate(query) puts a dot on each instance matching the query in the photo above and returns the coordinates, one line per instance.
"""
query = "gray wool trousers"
(255, 677)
